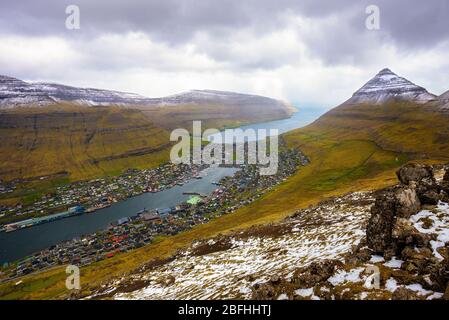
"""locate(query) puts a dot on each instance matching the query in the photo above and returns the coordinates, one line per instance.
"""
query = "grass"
(345, 155)
(94, 142)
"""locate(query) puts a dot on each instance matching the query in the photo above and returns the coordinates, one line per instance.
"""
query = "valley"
(354, 147)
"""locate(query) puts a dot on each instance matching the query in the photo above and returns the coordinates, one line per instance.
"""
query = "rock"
(416, 260)
(364, 255)
(405, 234)
(446, 294)
(415, 173)
(440, 275)
(427, 188)
(263, 291)
(380, 224)
(389, 253)
(315, 273)
(430, 197)
(408, 202)
(404, 294)
(170, 280)
(446, 175)
(444, 196)
(275, 279)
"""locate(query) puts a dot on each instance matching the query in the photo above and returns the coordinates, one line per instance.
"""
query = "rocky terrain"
(387, 85)
(388, 244)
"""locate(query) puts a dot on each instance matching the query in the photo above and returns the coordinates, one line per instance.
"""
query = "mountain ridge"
(18, 93)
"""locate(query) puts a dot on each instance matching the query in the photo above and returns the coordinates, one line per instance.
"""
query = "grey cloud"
(408, 25)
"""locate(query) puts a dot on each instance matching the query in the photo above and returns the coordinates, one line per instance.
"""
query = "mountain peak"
(386, 85)
(386, 71)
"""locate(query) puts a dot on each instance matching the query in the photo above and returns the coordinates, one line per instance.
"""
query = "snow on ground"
(325, 232)
(439, 226)
(342, 276)
(394, 263)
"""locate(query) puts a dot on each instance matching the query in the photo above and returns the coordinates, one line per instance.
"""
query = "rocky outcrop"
(390, 232)
(387, 227)
(422, 177)
(315, 273)
(381, 222)
(312, 277)
(407, 201)
(404, 294)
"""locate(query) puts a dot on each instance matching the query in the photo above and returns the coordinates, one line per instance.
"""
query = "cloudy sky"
(310, 52)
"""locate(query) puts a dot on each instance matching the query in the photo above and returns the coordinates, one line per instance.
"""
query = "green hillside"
(351, 148)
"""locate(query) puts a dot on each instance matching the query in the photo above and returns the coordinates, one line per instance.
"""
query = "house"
(151, 217)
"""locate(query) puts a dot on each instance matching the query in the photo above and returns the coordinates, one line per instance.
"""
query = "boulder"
(422, 176)
(263, 291)
(408, 202)
(315, 273)
(415, 173)
(404, 294)
(381, 222)
(405, 234)
(430, 197)
(416, 260)
(275, 279)
(439, 275)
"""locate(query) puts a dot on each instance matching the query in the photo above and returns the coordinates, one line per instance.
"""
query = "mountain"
(61, 131)
(392, 112)
(88, 96)
(15, 93)
(444, 100)
(216, 97)
(386, 86)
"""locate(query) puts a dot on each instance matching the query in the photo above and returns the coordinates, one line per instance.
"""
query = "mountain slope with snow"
(15, 93)
(386, 86)
(444, 100)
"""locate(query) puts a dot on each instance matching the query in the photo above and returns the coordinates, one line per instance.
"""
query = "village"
(100, 193)
(129, 233)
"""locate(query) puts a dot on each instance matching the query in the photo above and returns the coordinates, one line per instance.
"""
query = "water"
(18, 244)
(299, 119)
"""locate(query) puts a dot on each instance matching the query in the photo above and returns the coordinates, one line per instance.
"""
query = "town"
(100, 193)
(126, 234)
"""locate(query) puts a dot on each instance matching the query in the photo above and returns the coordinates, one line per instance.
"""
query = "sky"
(309, 52)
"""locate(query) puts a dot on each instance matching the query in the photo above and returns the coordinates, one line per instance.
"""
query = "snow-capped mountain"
(444, 99)
(386, 86)
(214, 97)
(88, 96)
(15, 93)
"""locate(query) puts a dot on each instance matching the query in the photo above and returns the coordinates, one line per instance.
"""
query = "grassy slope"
(79, 142)
(85, 142)
(347, 154)
(213, 116)
(91, 142)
